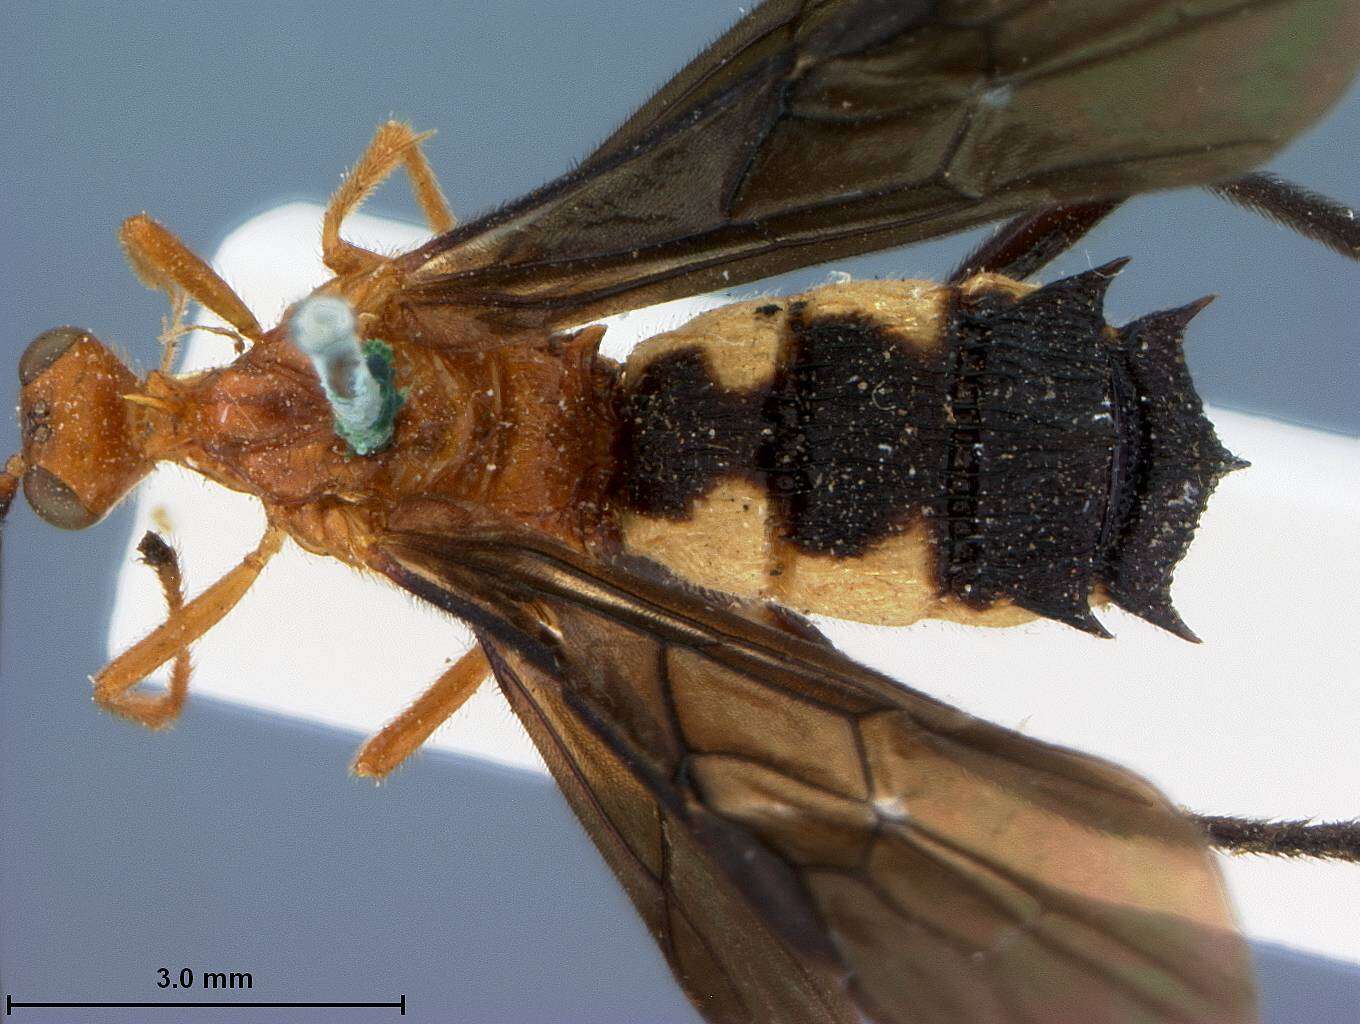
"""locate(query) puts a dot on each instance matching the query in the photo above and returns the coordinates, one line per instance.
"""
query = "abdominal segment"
(889, 451)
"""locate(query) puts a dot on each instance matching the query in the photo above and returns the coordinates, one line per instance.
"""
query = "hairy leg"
(185, 624)
(393, 144)
(399, 739)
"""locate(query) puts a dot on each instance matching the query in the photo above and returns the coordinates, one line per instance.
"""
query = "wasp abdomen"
(896, 450)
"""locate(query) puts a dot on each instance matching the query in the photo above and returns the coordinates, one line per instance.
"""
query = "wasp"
(633, 545)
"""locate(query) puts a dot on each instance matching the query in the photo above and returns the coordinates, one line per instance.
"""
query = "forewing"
(810, 841)
(817, 129)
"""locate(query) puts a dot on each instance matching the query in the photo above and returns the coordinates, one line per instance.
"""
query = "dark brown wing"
(810, 841)
(817, 129)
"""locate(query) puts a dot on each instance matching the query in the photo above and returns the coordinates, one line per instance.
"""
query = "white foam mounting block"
(1260, 719)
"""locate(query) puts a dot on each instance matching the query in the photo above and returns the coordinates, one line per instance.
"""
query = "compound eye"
(46, 349)
(80, 441)
(55, 502)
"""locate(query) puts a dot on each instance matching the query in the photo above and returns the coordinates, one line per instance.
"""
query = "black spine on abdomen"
(1175, 463)
(1031, 452)
(1079, 455)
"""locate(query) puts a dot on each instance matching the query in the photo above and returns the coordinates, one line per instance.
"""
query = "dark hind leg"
(1313, 216)
(1332, 840)
(1026, 244)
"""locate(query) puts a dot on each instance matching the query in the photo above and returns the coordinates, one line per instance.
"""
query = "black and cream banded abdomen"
(888, 451)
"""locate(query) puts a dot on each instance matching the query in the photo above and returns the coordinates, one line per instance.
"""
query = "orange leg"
(162, 261)
(9, 483)
(399, 739)
(156, 712)
(394, 143)
(185, 624)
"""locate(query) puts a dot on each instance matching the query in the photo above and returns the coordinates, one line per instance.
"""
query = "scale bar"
(12, 1004)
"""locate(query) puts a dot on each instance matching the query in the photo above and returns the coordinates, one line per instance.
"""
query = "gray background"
(237, 842)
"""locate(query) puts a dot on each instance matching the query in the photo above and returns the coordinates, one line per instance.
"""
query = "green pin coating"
(376, 435)
(358, 381)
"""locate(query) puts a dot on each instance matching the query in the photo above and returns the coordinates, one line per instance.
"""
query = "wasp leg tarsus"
(156, 712)
(1330, 840)
(399, 739)
(393, 143)
(185, 624)
(1314, 216)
